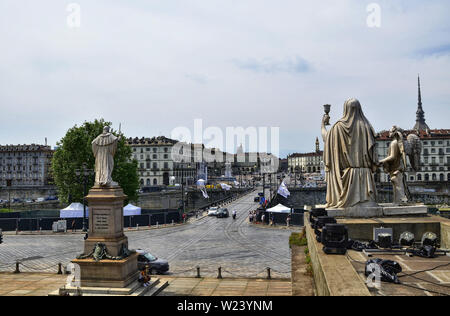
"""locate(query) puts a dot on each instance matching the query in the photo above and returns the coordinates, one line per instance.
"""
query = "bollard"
(198, 272)
(17, 267)
(219, 273)
(60, 268)
(268, 274)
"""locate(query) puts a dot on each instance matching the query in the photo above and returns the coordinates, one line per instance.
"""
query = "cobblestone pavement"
(242, 250)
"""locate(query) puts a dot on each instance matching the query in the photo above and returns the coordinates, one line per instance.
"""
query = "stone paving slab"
(30, 284)
(180, 286)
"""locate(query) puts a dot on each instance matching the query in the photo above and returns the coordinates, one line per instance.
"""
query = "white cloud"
(155, 65)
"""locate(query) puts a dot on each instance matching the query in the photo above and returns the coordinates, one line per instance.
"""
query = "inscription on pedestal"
(101, 222)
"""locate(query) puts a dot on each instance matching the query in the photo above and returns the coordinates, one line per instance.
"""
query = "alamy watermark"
(213, 144)
(374, 278)
(74, 17)
(374, 17)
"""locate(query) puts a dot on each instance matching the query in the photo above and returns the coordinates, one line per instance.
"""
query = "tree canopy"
(74, 150)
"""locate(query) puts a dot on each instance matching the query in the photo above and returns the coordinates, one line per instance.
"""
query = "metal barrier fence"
(46, 223)
(280, 218)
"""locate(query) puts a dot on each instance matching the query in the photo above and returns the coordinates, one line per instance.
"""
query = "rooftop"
(424, 135)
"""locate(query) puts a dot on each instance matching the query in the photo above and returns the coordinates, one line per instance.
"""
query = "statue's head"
(351, 107)
(395, 131)
(106, 129)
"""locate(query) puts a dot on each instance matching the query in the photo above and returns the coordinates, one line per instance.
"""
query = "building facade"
(435, 157)
(155, 163)
(306, 162)
(25, 165)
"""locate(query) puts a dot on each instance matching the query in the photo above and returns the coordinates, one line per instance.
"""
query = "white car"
(213, 211)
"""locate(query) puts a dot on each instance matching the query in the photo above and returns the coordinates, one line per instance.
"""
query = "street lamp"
(84, 174)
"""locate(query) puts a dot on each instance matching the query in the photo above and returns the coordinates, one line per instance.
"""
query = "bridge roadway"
(239, 248)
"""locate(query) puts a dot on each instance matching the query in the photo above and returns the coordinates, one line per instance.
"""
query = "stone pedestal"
(106, 227)
(381, 210)
(108, 273)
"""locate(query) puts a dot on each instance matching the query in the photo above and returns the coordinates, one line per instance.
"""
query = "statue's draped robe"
(350, 159)
(104, 148)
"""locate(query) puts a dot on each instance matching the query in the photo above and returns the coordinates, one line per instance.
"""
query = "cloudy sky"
(159, 64)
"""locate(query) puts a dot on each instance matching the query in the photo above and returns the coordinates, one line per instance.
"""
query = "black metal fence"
(46, 223)
(280, 218)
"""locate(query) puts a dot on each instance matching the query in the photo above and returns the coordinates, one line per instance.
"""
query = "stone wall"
(27, 192)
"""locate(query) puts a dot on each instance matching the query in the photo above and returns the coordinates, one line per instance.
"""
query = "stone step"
(134, 289)
(154, 291)
(142, 290)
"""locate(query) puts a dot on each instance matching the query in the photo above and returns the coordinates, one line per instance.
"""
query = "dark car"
(223, 213)
(256, 199)
(155, 265)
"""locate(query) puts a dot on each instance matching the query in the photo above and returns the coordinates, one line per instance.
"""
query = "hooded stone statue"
(104, 148)
(350, 158)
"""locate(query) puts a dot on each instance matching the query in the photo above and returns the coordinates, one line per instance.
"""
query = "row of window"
(434, 177)
(148, 149)
(434, 160)
(433, 143)
(148, 165)
(433, 151)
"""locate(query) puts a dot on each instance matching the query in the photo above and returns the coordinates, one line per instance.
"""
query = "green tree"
(74, 149)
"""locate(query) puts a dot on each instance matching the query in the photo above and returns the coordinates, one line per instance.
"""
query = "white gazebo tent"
(74, 210)
(130, 209)
(280, 208)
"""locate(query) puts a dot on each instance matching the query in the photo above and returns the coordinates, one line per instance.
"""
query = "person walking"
(263, 217)
(288, 220)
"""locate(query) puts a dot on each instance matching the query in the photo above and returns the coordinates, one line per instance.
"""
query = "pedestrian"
(144, 278)
(272, 220)
(263, 217)
(288, 220)
(73, 226)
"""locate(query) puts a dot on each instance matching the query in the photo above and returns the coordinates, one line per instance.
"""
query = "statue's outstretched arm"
(325, 121)
(394, 152)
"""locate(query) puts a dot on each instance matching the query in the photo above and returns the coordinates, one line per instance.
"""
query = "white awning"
(131, 209)
(74, 210)
(280, 208)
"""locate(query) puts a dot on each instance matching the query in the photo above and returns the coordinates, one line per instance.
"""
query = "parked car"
(223, 213)
(213, 211)
(155, 265)
(41, 199)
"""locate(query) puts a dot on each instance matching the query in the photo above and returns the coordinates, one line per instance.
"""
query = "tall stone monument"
(106, 261)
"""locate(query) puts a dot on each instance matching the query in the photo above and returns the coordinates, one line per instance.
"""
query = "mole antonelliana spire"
(420, 114)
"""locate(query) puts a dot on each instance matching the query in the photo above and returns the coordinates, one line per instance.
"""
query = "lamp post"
(270, 187)
(84, 174)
